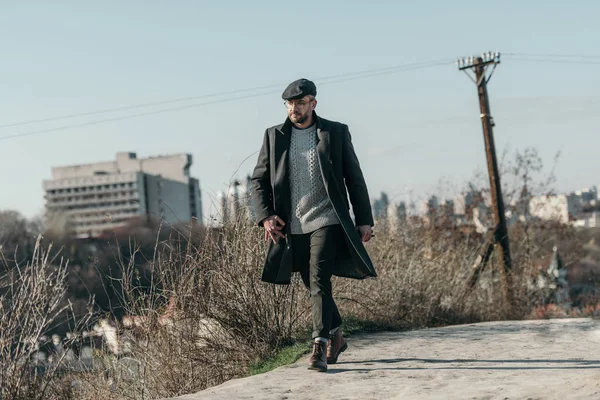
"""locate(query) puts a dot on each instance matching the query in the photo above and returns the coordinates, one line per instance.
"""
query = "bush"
(204, 319)
(196, 314)
(31, 302)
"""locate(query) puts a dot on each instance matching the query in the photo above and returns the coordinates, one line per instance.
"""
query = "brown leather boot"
(337, 344)
(318, 359)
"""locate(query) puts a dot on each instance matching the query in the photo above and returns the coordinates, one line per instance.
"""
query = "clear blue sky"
(410, 128)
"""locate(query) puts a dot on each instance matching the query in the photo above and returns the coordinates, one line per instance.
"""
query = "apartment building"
(93, 199)
(561, 208)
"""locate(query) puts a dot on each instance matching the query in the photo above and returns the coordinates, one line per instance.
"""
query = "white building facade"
(96, 198)
(561, 208)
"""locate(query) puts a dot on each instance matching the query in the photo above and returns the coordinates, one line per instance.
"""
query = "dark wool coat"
(342, 176)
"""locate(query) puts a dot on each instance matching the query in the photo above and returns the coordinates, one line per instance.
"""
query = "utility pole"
(499, 236)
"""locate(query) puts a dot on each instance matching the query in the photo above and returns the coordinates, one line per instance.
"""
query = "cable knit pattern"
(311, 207)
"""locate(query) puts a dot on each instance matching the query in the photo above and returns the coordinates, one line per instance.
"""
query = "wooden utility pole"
(498, 238)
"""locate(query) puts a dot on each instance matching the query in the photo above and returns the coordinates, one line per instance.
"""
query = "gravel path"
(547, 359)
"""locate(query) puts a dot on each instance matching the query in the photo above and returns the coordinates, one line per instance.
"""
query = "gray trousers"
(315, 253)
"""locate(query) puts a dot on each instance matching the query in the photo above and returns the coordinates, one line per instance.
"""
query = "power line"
(549, 61)
(386, 72)
(130, 107)
(555, 58)
(332, 78)
(553, 55)
(327, 80)
(130, 116)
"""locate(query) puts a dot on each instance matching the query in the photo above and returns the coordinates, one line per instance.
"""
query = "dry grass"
(206, 317)
(421, 282)
(31, 302)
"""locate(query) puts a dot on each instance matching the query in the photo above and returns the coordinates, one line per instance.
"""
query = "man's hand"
(273, 226)
(365, 232)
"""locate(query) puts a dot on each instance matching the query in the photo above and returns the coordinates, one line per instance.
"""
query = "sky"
(411, 129)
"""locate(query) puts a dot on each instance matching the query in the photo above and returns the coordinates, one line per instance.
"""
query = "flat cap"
(298, 89)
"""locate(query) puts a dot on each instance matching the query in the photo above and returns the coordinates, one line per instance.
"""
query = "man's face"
(300, 110)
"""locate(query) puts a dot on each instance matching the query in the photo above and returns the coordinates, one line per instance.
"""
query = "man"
(306, 169)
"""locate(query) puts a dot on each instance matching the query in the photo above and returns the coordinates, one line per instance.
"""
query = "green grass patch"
(291, 353)
(284, 356)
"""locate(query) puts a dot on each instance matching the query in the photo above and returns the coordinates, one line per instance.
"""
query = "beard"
(299, 118)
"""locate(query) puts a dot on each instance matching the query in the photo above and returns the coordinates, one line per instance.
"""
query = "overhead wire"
(333, 78)
(553, 55)
(129, 116)
(264, 90)
(548, 61)
(128, 107)
(555, 58)
(261, 92)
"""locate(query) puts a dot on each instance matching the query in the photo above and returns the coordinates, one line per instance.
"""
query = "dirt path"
(549, 359)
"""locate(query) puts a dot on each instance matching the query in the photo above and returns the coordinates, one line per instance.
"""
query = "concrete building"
(380, 206)
(587, 220)
(587, 195)
(395, 216)
(235, 205)
(95, 198)
(561, 208)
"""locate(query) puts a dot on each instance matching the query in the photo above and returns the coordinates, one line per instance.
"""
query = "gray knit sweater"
(311, 207)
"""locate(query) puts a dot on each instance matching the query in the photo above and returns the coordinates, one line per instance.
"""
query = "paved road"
(547, 359)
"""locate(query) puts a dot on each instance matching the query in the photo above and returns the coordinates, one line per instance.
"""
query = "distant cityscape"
(91, 200)
(473, 207)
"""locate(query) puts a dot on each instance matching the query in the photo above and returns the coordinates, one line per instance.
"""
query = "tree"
(16, 240)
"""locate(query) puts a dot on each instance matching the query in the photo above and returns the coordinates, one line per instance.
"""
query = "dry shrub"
(197, 313)
(421, 280)
(205, 318)
(423, 273)
(31, 303)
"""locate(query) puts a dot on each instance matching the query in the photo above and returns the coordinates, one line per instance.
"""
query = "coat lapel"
(281, 189)
(323, 151)
(282, 147)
